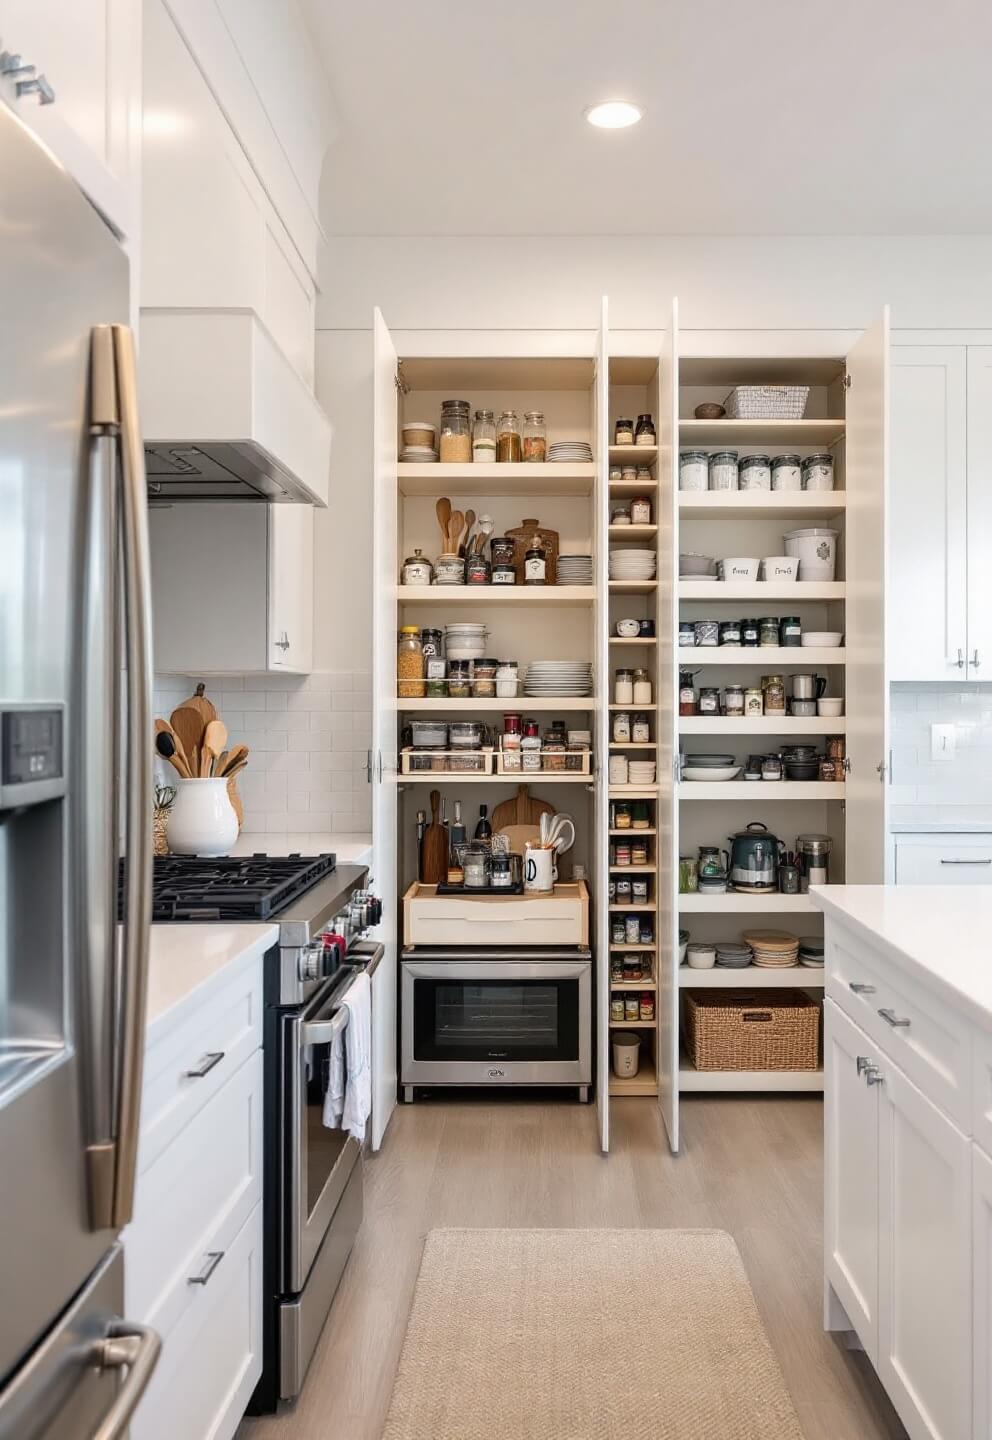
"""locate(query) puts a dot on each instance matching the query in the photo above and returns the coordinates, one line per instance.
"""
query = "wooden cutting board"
(434, 847)
(519, 819)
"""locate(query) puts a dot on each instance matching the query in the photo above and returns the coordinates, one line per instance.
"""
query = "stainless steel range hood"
(224, 414)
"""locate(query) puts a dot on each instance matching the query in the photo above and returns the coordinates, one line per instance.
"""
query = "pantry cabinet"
(979, 559)
(232, 588)
(89, 54)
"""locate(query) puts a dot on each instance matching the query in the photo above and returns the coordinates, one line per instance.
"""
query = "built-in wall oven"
(488, 1016)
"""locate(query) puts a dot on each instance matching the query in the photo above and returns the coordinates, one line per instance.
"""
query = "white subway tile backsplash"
(928, 791)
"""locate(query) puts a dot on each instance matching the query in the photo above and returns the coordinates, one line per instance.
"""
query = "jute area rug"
(586, 1335)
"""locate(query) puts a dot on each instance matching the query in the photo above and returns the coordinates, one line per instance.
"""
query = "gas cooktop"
(250, 887)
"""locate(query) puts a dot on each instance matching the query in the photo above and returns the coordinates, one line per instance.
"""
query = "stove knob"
(311, 963)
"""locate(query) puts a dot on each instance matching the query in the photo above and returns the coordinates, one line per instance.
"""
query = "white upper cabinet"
(979, 555)
(82, 92)
(928, 571)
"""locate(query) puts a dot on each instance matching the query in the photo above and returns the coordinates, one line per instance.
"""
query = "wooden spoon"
(166, 747)
(469, 522)
(443, 511)
(455, 527)
(189, 726)
(214, 740)
(162, 727)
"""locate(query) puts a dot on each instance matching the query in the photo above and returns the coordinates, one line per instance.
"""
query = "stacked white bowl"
(632, 564)
(641, 772)
(465, 641)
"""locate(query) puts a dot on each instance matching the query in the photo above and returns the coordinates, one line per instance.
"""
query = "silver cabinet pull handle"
(974, 657)
(960, 661)
(864, 1063)
(858, 987)
(966, 862)
(283, 642)
(12, 65)
(202, 1276)
(897, 1022)
(212, 1058)
(130, 1347)
(37, 86)
(874, 1076)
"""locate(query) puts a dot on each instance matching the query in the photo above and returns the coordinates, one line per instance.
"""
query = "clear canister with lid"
(623, 688)
(707, 632)
(509, 441)
(455, 444)
(730, 632)
(687, 634)
(623, 432)
(814, 860)
(818, 472)
(484, 438)
(688, 699)
(733, 701)
(790, 630)
(769, 631)
(621, 727)
(773, 691)
(709, 700)
(694, 470)
(755, 472)
(640, 510)
(535, 446)
(723, 470)
(417, 569)
(410, 671)
(786, 473)
(644, 431)
(750, 633)
(642, 688)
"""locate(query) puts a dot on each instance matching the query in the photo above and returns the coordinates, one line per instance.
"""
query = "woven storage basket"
(751, 1030)
(767, 402)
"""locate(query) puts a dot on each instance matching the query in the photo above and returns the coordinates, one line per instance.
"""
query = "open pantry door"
(382, 756)
(867, 467)
(667, 956)
(601, 748)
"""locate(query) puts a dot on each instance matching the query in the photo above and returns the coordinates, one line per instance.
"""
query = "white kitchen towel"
(348, 1102)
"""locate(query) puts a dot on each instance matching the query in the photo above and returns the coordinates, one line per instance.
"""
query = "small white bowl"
(822, 639)
(738, 568)
(702, 773)
(628, 629)
(700, 957)
(830, 705)
(779, 567)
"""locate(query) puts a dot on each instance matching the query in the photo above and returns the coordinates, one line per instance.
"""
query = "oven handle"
(322, 1032)
(497, 969)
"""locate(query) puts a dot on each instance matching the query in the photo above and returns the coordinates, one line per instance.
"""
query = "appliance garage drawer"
(190, 1064)
(558, 918)
(191, 1203)
(944, 859)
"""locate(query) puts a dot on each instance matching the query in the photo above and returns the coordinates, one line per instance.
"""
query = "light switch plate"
(943, 740)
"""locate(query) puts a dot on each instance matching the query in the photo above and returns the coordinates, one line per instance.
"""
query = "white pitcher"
(202, 820)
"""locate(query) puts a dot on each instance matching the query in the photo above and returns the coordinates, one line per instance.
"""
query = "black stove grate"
(249, 887)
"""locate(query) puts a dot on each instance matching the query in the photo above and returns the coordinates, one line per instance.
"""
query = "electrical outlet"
(943, 740)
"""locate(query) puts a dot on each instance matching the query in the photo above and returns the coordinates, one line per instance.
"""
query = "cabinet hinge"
(399, 380)
(848, 382)
(676, 769)
(847, 764)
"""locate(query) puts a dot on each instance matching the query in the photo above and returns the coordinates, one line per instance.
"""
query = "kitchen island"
(908, 1144)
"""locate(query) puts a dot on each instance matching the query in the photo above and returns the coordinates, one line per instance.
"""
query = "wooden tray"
(560, 918)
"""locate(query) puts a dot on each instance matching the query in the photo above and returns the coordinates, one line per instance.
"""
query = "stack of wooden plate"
(773, 949)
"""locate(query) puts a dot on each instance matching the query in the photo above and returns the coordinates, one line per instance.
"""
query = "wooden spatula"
(189, 725)
(434, 849)
(455, 527)
(165, 745)
(162, 727)
(235, 756)
(443, 511)
(214, 741)
(466, 545)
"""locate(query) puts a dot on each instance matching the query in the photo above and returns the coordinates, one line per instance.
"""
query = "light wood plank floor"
(750, 1165)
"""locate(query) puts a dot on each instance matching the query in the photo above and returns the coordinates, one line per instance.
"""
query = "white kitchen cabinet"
(979, 512)
(89, 53)
(982, 1292)
(943, 859)
(232, 588)
(924, 1248)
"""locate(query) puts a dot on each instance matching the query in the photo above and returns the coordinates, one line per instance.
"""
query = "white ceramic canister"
(202, 820)
(816, 550)
(626, 1054)
(818, 472)
(618, 770)
(694, 470)
(540, 870)
(786, 473)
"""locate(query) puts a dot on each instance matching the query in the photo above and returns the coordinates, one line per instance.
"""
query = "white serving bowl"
(738, 568)
(830, 705)
(779, 567)
(722, 772)
(822, 639)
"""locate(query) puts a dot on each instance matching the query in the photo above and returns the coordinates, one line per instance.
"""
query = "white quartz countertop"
(350, 849)
(187, 962)
(942, 934)
(947, 827)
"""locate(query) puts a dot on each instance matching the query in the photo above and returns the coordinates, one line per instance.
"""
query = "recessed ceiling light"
(614, 114)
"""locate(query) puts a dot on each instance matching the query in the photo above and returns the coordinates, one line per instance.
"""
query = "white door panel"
(980, 512)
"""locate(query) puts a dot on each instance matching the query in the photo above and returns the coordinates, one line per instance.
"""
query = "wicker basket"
(767, 402)
(752, 1030)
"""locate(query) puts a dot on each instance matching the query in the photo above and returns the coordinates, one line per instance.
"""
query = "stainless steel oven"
(496, 1017)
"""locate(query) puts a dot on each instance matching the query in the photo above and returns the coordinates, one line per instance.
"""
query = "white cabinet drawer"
(925, 1037)
(212, 1359)
(194, 1199)
(951, 860)
(981, 1095)
(229, 1025)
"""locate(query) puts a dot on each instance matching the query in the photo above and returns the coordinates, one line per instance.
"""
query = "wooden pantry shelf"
(623, 949)
(633, 1024)
(633, 745)
(633, 639)
(632, 706)
(446, 777)
(696, 655)
(747, 1081)
(648, 909)
(496, 480)
(755, 790)
(522, 702)
(762, 725)
(637, 1085)
(633, 454)
(780, 504)
(722, 433)
(633, 869)
(633, 587)
(620, 488)
(633, 532)
(510, 595)
(631, 831)
(751, 977)
(633, 985)
(797, 591)
(633, 792)
(735, 903)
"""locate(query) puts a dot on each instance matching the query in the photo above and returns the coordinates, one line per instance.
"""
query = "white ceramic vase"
(202, 820)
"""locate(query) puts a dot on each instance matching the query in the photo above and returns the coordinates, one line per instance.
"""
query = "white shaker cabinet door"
(928, 571)
(982, 1298)
(291, 588)
(850, 1239)
(925, 1282)
(980, 512)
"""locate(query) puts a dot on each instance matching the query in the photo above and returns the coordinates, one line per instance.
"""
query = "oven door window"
(496, 1019)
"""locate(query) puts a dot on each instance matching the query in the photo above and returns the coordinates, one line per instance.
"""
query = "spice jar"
(707, 632)
(733, 701)
(647, 1006)
(536, 565)
(621, 515)
(623, 688)
(459, 680)
(694, 470)
(417, 570)
(640, 732)
(786, 473)
(509, 446)
(638, 853)
(790, 630)
(730, 632)
(621, 728)
(484, 438)
(773, 691)
(410, 664)
(640, 510)
(623, 432)
(754, 703)
(484, 679)
(504, 575)
(644, 432)
(709, 700)
(639, 892)
(750, 632)
(771, 767)
(828, 770)
(755, 472)
(617, 1008)
(687, 634)
(723, 470)
(769, 631)
(688, 704)
(642, 688)
(455, 440)
(477, 571)
(535, 437)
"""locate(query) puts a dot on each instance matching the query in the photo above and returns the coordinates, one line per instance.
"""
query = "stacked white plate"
(811, 953)
(575, 451)
(558, 677)
(465, 641)
(574, 570)
(419, 454)
(632, 564)
(641, 772)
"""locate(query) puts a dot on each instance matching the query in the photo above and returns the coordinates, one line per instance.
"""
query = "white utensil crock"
(202, 820)
(540, 870)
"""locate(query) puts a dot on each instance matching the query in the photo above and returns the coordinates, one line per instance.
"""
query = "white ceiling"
(762, 116)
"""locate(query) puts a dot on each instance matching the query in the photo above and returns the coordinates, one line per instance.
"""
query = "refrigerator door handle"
(135, 1348)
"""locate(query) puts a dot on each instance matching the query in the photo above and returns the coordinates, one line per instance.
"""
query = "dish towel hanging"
(348, 1102)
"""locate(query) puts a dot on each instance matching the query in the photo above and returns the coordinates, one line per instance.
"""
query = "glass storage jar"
(640, 732)
(501, 550)
(818, 472)
(623, 432)
(623, 688)
(709, 700)
(730, 632)
(478, 571)
(535, 437)
(786, 473)
(642, 688)
(459, 680)
(755, 472)
(733, 701)
(707, 632)
(790, 630)
(769, 630)
(621, 727)
(773, 692)
(694, 470)
(507, 680)
(640, 510)
(417, 570)
(771, 767)
(410, 664)
(750, 632)
(688, 702)
(644, 432)
(455, 445)
(754, 703)
(687, 634)
(536, 565)
(484, 438)
(509, 446)
(723, 470)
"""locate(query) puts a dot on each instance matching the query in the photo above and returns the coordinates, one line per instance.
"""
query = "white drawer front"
(228, 1026)
(211, 1361)
(981, 1100)
(951, 860)
(925, 1037)
(194, 1199)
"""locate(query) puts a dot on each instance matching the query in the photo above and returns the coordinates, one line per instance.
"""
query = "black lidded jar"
(750, 632)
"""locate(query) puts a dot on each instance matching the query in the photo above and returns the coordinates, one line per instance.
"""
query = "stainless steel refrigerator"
(75, 727)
